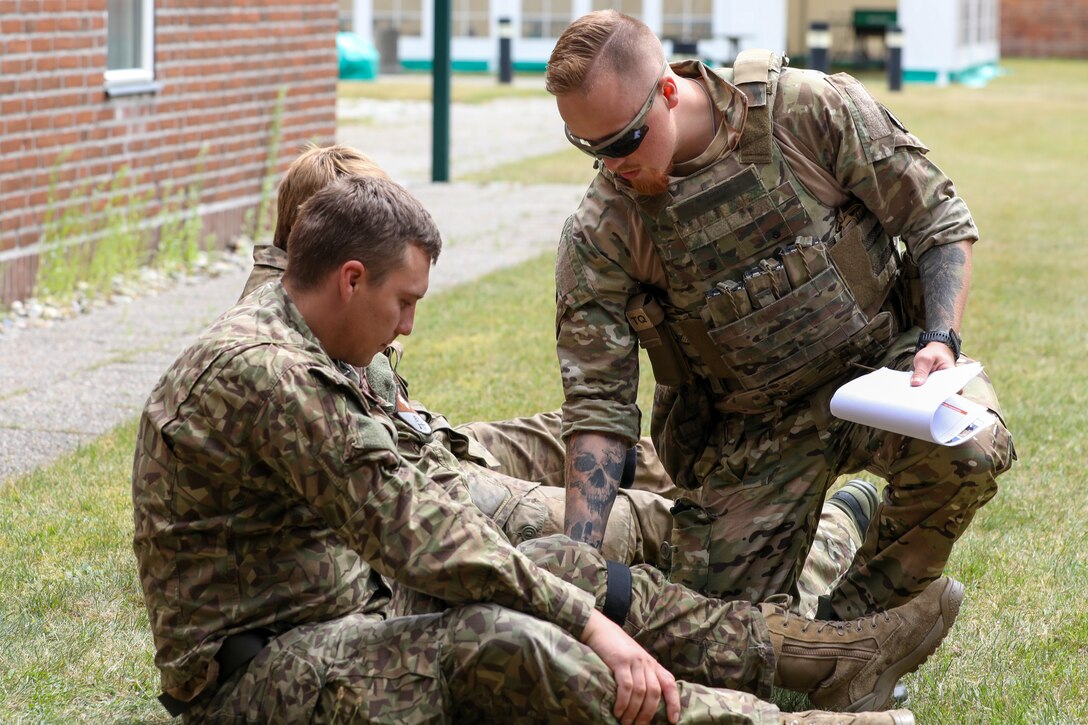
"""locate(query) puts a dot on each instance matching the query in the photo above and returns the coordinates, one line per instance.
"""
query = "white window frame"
(139, 79)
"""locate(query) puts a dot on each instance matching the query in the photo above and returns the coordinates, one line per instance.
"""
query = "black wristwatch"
(949, 338)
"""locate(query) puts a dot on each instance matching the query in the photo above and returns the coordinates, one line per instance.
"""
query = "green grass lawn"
(74, 639)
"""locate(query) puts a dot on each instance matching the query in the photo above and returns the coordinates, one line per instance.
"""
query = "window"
(470, 18)
(630, 7)
(402, 17)
(544, 18)
(130, 46)
(687, 20)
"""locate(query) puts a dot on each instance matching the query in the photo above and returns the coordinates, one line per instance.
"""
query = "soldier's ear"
(670, 91)
(351, 278)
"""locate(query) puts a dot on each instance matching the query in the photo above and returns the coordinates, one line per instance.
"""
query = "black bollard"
(506, 58)
(819, 42)
(893, 39)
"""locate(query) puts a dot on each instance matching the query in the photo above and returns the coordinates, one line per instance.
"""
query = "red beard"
(651, 181)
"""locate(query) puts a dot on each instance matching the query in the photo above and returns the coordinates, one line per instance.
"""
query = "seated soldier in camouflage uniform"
(507, 462)
(269, 494)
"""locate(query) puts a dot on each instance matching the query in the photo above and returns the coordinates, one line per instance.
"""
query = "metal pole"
(818, 40)
(441, 70)
(893, 38)
(506, 57)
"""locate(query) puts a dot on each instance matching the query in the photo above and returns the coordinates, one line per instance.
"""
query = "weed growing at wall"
(60, 260)
(261, 225)
(180, 224)
(98, 237)
(121, 246)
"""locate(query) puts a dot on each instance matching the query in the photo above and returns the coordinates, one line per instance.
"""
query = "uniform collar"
(270, 255)
(731, 104)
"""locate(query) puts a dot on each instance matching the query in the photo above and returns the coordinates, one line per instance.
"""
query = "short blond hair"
(314, 169)
(599, 42)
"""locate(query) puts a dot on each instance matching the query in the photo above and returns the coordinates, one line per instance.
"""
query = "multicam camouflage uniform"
(506, 463)
(532, 449)
(269, 495)
(772, 260)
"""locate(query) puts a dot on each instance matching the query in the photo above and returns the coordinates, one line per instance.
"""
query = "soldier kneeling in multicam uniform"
(766, 234)
(269, 495)
(515, 468)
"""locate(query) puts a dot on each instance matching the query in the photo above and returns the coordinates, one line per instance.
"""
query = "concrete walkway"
(67, 382)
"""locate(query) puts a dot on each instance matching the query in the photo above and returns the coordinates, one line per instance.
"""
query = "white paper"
(934, 411)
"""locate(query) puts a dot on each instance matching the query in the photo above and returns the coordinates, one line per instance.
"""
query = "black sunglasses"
(627, 140)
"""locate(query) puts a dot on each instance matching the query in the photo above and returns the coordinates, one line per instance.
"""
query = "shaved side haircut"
(604, 42)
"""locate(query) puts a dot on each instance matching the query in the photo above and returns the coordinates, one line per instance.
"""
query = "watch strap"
(949, 338)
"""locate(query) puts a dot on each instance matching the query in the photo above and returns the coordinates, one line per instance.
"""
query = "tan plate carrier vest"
(771, 291)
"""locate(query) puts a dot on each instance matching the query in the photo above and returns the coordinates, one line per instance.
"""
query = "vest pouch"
(791, 332)
(866, 258)
(912, 301)
(647, 319)
(681, 425)
(876, 336)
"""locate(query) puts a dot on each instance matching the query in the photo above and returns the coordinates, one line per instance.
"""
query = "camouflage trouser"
(484, 663)
(640, 521)
(531, 449)
(834, 546)
(746, 532)
(524, 509)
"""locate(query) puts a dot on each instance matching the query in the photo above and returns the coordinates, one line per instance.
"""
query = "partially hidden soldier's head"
(313, 170)
(358, 261)
(615, 93)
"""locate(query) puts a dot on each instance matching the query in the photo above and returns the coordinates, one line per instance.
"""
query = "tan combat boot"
(819, 717)
(854, 665)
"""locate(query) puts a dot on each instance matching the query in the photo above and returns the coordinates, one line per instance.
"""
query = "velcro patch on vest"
(731, 222)
(753, 66)
(414, 420)
(872, 115)
(731, 191)
(565, 279)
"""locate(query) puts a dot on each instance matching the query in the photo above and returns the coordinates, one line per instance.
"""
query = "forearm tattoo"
(594, 469)
(945, 275)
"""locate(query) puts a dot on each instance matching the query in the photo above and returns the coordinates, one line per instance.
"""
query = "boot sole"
(881, 696)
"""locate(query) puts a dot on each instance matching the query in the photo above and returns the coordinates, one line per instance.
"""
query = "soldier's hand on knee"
(640, 680)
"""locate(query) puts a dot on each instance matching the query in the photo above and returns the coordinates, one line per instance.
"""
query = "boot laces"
(873, 621)
(783, 601)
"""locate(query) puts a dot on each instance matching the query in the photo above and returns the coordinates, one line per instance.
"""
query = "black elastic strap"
(617, 595)
(855, 510)
(630, 462)
(235, 653)
(239, 649)
(173, 705)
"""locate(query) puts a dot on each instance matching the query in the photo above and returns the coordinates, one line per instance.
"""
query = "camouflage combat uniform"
(514, 467)
(775, 271)
(506, 463)
(269, 495)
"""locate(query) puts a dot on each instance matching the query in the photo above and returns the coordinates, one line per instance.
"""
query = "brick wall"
(220, 67)
(1044, 28)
